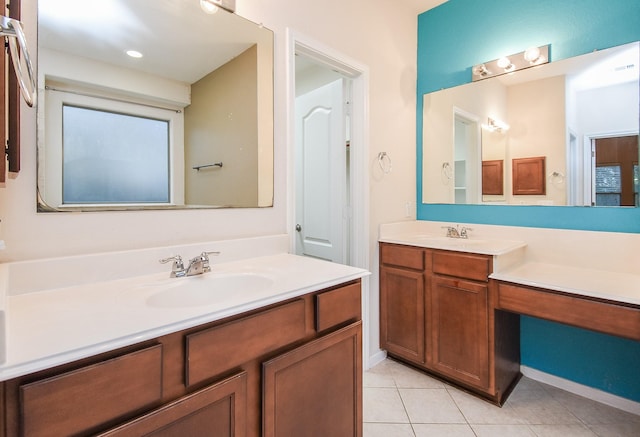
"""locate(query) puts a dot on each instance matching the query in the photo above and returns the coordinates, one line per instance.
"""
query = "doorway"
(300, 47)
(322, 173)
(466, 140)
(615, 164)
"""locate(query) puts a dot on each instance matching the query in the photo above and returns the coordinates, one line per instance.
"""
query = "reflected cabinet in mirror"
(152, 104)
(577, 119)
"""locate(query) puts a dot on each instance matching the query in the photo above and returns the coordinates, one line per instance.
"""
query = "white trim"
(376, 359)
(582, 390)
(359, 75)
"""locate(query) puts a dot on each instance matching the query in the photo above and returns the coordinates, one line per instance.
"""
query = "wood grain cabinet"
(460, 318)
(218, 410)
(436, 312)
(402, 302)
(296, 404)
(295, 365)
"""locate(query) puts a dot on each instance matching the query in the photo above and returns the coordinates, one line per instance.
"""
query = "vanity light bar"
(507, 64)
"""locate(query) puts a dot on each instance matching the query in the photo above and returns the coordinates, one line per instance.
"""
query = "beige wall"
(540, 132)
(221, 125)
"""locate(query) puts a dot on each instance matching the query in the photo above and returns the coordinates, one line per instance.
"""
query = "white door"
(321, 173)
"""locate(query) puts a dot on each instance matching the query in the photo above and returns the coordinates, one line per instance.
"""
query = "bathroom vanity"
(435, 313)
(278, 358)
(452, 306)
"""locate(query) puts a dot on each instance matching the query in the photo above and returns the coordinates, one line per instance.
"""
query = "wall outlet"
(409, 209)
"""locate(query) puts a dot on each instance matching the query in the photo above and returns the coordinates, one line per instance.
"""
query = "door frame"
(588, 142)
(358, 73)
(476, 155)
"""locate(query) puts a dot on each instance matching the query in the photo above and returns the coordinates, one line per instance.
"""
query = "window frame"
(50, 178)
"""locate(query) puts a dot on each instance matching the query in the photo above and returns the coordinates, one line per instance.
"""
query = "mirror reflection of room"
(580, 114)
(127, 123)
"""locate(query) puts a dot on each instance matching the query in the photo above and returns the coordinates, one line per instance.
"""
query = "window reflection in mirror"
(212, 86)
(556, 111)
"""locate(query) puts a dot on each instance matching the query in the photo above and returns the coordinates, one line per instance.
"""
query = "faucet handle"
(464, 232)
(451, 231)
(178, 265)
(204, 256)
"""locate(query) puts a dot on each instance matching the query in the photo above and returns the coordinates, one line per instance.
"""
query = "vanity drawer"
(338, 306)
(222, 348)
(85, 399)
(610, 318)
(462, 265)
(402, 256)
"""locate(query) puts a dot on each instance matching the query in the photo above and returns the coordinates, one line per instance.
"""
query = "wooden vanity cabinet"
(459, 309)
(296, 404)
(219, 409)
(402, 302)
(436, 312)
(218, 379)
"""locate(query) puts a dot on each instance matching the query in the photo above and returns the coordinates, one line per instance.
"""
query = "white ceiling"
(179, 41)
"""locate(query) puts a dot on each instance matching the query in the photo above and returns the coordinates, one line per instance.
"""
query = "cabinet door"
(402, 314)
(216, 411)
(316, 389)
(460, 330)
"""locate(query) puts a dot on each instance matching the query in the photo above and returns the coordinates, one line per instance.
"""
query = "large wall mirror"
(152, 104)
(563, 133)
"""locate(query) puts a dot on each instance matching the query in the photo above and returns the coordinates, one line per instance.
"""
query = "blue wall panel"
(461, 33)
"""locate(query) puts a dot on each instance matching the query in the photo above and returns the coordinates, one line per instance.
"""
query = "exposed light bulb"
(495, 125)
(482, 70)
(532, 55)
(505, 64)
(208, 6)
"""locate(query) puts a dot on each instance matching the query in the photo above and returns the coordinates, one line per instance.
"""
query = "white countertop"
(470, 245)
(614, 286)
(601, 265)
(53, 327)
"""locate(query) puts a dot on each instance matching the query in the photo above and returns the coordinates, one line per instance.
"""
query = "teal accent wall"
(461, 33)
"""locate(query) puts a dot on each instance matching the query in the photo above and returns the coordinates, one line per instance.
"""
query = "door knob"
(298, 228)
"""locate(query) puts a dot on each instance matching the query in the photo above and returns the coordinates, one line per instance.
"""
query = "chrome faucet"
(457, 232)
(197, 265)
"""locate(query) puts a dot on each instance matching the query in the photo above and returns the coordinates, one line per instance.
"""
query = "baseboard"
(374, 359)
(582, 390)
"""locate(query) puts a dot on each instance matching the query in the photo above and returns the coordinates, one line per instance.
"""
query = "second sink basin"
(205, 289)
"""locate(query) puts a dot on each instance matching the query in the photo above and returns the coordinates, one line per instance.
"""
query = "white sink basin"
(205, 289)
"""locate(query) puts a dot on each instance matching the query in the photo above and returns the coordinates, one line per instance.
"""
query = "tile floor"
(400, 401)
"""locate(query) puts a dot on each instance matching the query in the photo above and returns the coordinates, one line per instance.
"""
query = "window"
(113, 158)
(103, 151)
(608, 185)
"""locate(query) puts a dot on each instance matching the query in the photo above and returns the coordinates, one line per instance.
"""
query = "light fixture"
(495, 125)
(211, 6)
(506, 64)
(533, 55)
(481, 70)
(134, 54)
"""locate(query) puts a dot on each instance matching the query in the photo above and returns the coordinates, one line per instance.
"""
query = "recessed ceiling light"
(134, 53)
